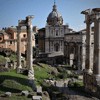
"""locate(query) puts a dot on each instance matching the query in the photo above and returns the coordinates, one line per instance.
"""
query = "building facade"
(57, 40)
(8, 39)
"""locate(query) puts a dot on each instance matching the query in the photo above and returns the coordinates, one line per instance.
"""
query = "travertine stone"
(28, 24)
(96, 66)
(18, 48)
(88, 40)
(79, 62)
(29, 47)
(88, 47)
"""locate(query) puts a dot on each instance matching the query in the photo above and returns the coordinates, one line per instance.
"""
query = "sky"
(13, 10)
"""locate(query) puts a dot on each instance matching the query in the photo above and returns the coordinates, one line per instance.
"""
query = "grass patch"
(13, 57)
(16, 97)
(13, 86)
(43, 71)
(2, 59)
(13, 82)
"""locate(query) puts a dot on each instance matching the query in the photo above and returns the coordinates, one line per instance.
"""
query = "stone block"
(39, 89)
(37, 98)
(25, 93)
(8, 94)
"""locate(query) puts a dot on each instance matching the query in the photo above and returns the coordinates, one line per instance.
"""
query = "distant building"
(8, 39)
(60, 43)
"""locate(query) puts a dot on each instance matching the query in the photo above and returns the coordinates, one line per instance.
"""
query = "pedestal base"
(31, 79)
(19, 69)
(31, 75)
(92, 84)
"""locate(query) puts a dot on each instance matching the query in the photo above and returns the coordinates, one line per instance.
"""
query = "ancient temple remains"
(29, 60)
(92, 77)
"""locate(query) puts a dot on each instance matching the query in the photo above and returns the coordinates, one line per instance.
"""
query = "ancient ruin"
(92, 78)
(29, 59)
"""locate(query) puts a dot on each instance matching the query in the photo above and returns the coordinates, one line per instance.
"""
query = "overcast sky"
(13, 10)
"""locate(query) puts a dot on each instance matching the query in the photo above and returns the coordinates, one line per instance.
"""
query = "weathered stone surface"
(39, 90)
(25, 93)
(8, 94)
(36, 98)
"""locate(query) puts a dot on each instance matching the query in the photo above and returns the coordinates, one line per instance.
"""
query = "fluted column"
(96, 64)
(18, 48)
(88, 46)
(29, 48)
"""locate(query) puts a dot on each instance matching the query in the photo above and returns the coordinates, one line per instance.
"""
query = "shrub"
(74, 84)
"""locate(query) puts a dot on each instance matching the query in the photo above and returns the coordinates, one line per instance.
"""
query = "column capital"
(96, 12)
(29, 20)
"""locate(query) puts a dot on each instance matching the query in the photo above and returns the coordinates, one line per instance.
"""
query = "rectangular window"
(10, 42)
(56, 32)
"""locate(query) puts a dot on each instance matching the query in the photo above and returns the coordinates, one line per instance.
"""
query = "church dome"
(54, 18)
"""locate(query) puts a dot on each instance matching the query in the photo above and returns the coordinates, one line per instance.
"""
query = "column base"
(92, 84)
(97, 78)
(31, 75)
(88, 71)
(19, 69)
(31, 79)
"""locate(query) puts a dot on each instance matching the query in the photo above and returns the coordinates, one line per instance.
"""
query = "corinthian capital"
(29, 20)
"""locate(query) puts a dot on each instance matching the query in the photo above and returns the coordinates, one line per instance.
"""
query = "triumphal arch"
(92, 77)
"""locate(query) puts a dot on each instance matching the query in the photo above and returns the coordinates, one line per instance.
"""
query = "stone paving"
(72, 95)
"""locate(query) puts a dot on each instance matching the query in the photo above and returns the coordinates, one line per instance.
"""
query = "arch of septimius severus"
(29, 59)
(92, 77)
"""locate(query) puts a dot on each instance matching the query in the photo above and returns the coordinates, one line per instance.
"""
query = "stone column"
(96, 63)
(79, 55)
(68, 54)
(88, 45)
(18, 49)
(30, 48)
(6, 44)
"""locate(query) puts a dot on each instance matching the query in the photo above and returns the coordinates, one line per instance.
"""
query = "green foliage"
(2, 59)
(13, 74)
(44, 71)
(14, 97)
(76, 84)
(11, 81)
(14, 86)
(13, 57)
